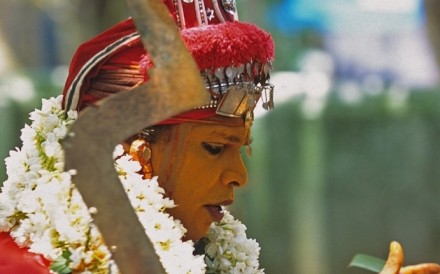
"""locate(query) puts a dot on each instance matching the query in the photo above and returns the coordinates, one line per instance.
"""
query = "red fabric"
(134, 55)
(90, 48)
(16, 260)
(193, 115)
(190, 13)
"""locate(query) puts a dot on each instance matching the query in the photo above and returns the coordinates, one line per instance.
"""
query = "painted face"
(199, 166)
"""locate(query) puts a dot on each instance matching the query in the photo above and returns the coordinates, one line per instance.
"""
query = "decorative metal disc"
(188, 1)
(229, 6)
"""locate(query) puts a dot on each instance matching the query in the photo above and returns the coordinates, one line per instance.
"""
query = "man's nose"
(235, 172)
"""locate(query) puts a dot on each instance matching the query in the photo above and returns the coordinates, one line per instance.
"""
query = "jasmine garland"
(43, 211)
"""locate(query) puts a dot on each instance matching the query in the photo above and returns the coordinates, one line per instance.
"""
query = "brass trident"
(93, 137)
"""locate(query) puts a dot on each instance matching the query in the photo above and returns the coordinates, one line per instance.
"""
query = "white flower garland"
(43, 211)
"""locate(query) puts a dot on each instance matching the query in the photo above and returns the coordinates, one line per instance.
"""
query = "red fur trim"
(227, 44)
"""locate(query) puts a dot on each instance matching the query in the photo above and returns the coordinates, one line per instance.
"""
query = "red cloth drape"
(17, 260)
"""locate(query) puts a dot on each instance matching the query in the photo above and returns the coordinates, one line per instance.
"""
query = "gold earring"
(140, 151)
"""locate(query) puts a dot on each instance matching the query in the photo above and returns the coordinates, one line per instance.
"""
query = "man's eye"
(213, 149)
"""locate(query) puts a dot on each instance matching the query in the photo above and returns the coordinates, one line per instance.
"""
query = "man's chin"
(196, 226)
(195, 233)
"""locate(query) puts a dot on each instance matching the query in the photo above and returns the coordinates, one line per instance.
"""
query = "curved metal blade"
(174, 87)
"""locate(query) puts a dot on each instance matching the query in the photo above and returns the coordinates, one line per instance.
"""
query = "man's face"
(199, 166)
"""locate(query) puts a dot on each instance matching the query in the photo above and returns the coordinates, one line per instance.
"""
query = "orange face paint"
(198, 166)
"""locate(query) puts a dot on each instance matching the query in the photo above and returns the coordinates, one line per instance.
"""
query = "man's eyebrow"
(227, 137)
(231, 138)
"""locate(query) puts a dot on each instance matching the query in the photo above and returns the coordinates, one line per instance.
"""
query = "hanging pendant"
(249, 151)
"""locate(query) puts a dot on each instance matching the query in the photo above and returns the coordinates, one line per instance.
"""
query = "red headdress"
(234, 59)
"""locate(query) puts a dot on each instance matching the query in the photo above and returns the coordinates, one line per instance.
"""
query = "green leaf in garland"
(367, 262)
(60, 265)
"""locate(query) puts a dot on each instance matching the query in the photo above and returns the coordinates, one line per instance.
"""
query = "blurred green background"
(349, 159)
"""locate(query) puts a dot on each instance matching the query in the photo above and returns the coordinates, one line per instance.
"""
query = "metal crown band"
(236, 90)
(241, 98)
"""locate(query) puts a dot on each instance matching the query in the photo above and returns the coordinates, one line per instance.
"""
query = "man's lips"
(216, 210)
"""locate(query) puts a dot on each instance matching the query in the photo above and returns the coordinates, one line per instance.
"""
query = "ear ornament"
(140, 151)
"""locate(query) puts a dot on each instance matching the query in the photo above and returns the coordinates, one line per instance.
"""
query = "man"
(195, 156)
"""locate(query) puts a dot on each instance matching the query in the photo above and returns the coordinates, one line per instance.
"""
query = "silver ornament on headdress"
(230, 6)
